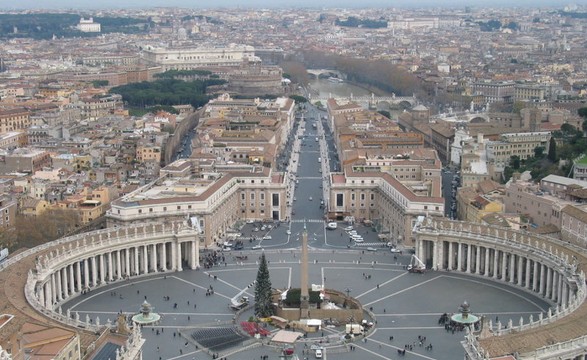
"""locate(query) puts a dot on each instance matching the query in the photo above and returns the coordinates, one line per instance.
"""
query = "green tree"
(539, 152)
(263, 302)
(582, 112)
(299, 99)
(552, 150)
(515, 162)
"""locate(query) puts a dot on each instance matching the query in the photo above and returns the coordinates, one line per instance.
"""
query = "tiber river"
(324, 88)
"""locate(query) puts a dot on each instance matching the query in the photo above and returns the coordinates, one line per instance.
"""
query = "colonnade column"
(535, 277)
(110, 267)
(164, 257)
(154, 258)
(469, 256)
(118, 265)
(512, 268)
(136, 262)
(49, 296)
(440, 264)
(504, 265)
(543, 280)
(174, 255)
(127, 262)
(53, 290)
(58, 283)
(193, 255)
(520, 270)
(145, 260)
(86, 274)
(102, 268)
(71, 279)
(477, 260)
(548, 291)
(435, 264)
(495, 262)
(528, 270)
(64, 282)
(486, 269)
(179, 257)
(460, 257)
(451, 255)
(565, 294)
(94, 272)
(78, 275)
(559, 287)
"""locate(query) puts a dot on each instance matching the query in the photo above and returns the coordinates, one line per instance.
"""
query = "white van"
(318, 354)
(331, 226)
(319, 159)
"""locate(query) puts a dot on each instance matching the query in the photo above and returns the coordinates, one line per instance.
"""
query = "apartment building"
(24, 160)
(542, 203)
(494, 91)
(516, 144)
(14, 119)
(8, 207)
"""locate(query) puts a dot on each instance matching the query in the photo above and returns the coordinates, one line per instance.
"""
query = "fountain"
(146, 316)
(465, 317)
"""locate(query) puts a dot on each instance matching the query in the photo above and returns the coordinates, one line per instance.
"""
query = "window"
(179, 208)
(150, 210)
(339, 200)
(252, 196)
(275, 199)
(140, 211)
(242, 196)
(262, 196)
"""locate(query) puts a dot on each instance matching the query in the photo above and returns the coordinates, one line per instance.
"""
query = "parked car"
(267, 237)
(256, 247)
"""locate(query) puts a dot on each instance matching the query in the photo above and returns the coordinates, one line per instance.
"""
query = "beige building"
(218, 200)
(381, 198)
(516, 144)
(475, 203)
(148, 153)
(542, 203)
(188, 58)
(14, 119)
(574, 224)
(7, 211)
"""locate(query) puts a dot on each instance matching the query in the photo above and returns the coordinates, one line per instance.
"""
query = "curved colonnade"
(540, 265)
(68, 267)
(547, 267)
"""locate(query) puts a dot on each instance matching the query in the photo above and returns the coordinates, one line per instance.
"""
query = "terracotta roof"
(575, 212)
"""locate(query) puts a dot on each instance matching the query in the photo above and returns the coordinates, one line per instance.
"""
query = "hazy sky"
(102, 4)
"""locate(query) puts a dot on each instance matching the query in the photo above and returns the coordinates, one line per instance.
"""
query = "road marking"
(385, 283)
(496, 287)
(402, 291)
(391, 346)
(201, 287)
(123, 285)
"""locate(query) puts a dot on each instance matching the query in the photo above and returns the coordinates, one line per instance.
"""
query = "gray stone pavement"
(405, 305)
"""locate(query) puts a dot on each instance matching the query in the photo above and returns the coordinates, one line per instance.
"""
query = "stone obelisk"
(304, 295)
